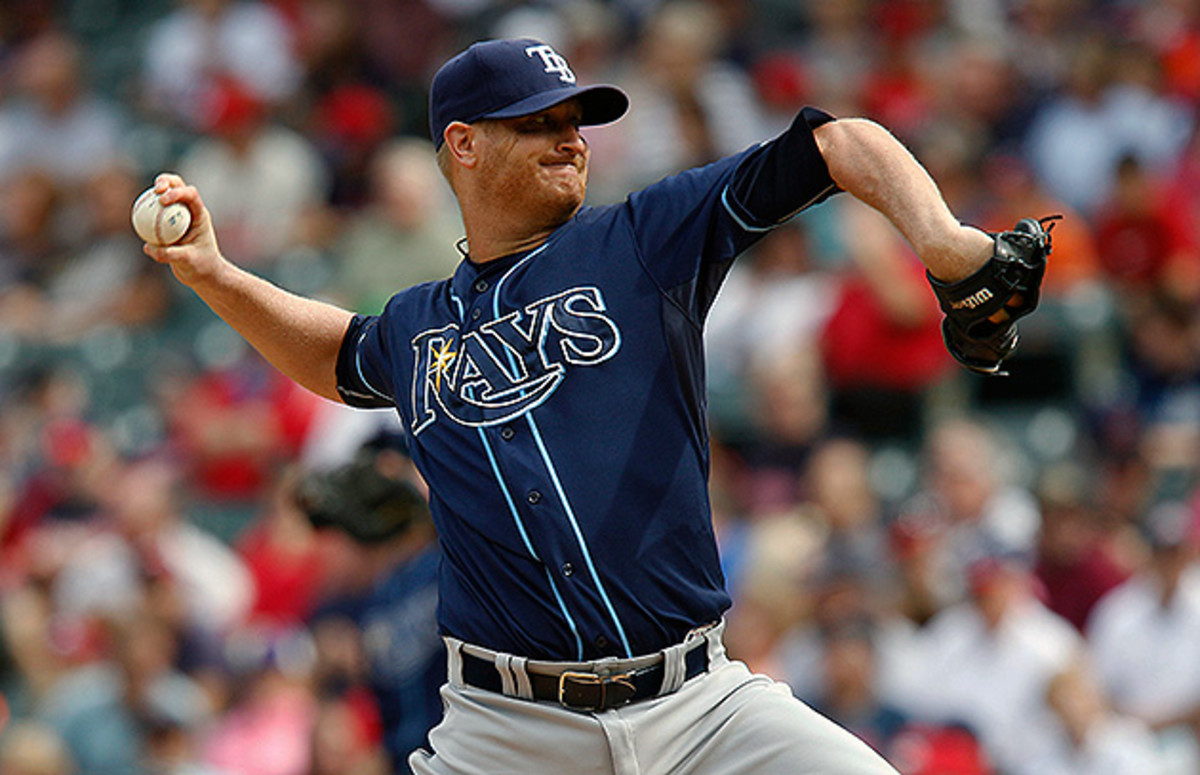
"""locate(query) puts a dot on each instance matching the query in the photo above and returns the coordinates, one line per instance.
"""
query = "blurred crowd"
(978, 576)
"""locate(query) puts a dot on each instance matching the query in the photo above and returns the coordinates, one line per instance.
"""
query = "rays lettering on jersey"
(509, 365)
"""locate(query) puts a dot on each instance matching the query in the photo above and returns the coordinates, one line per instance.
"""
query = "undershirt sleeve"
(782, 176)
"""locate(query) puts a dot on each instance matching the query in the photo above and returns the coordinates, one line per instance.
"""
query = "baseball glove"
(980, 328)
(360, 500)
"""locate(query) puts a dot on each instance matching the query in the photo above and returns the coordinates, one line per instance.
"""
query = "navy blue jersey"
(554, 401)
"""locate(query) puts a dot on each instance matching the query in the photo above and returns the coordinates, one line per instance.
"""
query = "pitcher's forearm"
(867, 162)
(298, 336)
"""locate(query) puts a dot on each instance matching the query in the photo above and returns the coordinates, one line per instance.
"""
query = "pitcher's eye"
(547, 122)
(533, 124)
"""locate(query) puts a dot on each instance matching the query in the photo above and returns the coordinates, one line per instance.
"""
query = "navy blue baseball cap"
(510, 78)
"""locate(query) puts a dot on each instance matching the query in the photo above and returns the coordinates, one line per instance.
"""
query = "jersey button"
(601, 642)
(481, 286)
(475, 313)
(568, 569)
(507, 433)
(533, 497)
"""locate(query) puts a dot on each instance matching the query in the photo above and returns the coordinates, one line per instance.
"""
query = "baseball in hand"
(159, 225)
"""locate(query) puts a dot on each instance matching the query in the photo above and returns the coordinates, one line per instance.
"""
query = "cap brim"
(601, 103)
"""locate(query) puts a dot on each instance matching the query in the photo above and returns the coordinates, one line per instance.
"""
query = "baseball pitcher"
(553, 396)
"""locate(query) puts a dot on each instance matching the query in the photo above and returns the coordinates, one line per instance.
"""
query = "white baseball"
(159, 225)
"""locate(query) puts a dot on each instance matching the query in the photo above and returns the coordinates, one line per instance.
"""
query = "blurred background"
(978, 576)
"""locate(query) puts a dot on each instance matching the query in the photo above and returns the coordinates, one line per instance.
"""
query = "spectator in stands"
(1087, 737)
(152, 551)
(967, 510)
(845, 605)
(402, 237)
(848, 588)
(846, 506)
(923, 586)
(851, 692)
(350, 126)
(882, 345)
(790, 416)
(693, 106)
(1144, 633)
(1002, 645)
(261, 180)
(1108, 110)
(289, 562)
(201, 44)
(1156, 121)
(1163, 369)
(1076, 561)
(775, 592)
(980, 92)
(267, 726)
(56, 125)
(840, 51)
(346, 743)
(31, 658)
(100, 707)
(32, 249)
(70, 465)
(105, 282)
(774, 294)
(1044, 35)
(235, 424)
(967, 476)
(1147, 244)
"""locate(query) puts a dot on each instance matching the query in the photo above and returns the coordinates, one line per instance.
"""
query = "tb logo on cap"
(554, 62)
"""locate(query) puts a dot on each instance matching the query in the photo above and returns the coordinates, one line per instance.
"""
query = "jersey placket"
(537, 500)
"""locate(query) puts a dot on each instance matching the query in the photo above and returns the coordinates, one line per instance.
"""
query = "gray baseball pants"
(726, 721)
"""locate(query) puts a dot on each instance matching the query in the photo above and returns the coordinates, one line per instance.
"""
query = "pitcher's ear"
(461, 139)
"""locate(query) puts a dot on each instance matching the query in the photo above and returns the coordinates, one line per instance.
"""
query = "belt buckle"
(567, 679)
(579, 679)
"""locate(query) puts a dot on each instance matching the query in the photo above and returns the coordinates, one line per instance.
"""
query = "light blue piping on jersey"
(516, 515)
(587, 555)
(512, 509)
(553, 471)
(358, 367)
(747, 227)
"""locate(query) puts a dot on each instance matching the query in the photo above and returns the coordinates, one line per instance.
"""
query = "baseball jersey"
(554, 401)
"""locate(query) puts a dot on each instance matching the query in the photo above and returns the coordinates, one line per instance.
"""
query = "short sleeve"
(363, 373)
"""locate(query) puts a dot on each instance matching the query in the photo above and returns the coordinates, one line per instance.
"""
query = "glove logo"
(1009, 281)
(974, 300)
(553, 61)
(510, 365)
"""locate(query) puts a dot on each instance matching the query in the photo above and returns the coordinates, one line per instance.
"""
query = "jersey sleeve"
(690, 227)
(781, 177)
(363, 376)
